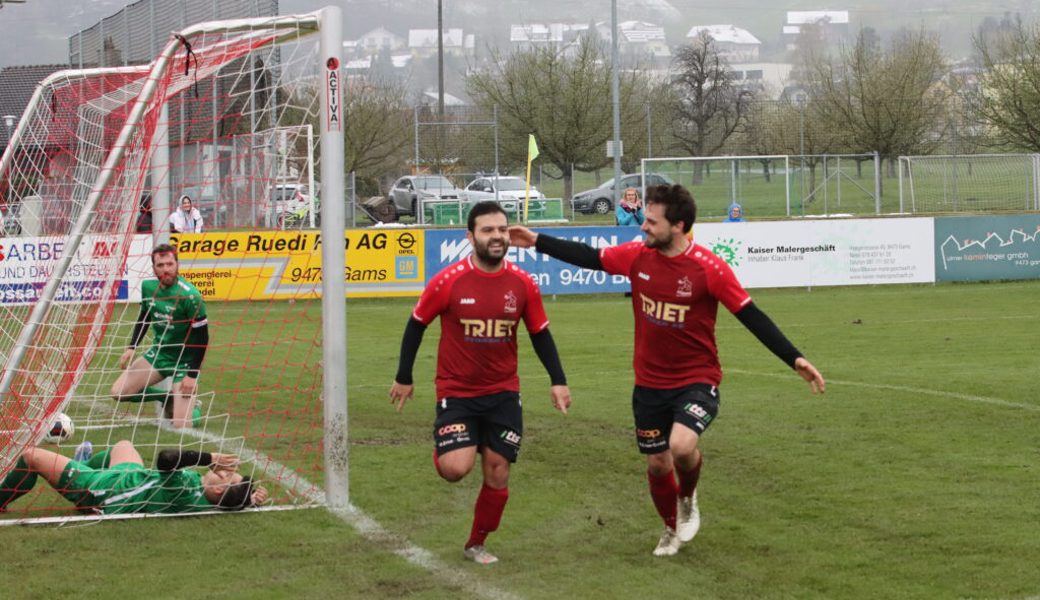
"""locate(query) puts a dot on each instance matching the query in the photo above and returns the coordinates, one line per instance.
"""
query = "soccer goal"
(225, 114)
(969, 183)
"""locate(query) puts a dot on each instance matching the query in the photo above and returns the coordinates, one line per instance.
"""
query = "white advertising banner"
(27, 262)
(824, 252)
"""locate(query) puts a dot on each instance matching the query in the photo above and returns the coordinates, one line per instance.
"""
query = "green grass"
(915, 476)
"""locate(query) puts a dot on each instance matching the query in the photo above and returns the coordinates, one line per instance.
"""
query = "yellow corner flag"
(532, 148)
(532, 153)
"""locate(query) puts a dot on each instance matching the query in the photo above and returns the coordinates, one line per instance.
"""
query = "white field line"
(902, 388)
(369, 528)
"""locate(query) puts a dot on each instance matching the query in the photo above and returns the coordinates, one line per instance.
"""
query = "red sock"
(665, 494)
(487, 513)
(688, 479)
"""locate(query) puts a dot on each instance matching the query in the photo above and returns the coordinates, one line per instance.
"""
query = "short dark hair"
(163, 249)
(678, 203)
(487, 207)
(237, 496)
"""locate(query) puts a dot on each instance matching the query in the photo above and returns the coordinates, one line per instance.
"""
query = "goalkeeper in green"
(117, 482)
(177, 314)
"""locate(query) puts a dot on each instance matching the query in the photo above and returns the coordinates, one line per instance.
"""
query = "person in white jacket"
(186, 220)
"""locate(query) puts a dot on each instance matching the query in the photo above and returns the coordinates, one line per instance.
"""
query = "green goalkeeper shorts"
(79, 482)
(167, 363)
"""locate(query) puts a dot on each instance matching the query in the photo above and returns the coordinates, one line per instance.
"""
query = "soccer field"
(915, 476)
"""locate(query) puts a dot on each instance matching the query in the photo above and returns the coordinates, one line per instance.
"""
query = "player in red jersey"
(676, 289)
(480, 301)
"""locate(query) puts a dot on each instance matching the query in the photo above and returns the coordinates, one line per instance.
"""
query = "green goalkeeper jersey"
(133, 488)
(172, 311)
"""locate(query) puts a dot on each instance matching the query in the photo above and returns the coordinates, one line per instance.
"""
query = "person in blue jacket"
(630, 210)
(735, 213)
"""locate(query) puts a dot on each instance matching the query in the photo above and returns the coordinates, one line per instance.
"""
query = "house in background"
(833, 24)
(734, 44)
(422, 43)
(380, 39)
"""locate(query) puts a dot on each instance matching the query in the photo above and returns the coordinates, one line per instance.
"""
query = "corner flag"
(532, 148)
(532, 153)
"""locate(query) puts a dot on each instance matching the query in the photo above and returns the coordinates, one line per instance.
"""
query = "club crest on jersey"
(685, 288)
(510, 306)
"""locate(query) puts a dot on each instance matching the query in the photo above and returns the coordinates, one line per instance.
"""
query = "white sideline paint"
(369, 528)
(904, 388)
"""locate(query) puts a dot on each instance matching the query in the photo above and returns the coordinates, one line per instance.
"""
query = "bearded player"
(676, 289)
(177, 314)
(480, 301)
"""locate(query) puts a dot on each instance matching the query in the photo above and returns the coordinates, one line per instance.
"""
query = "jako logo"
(453, 428)
(468, 301)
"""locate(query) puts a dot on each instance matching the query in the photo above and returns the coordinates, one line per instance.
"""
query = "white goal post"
(96, 151)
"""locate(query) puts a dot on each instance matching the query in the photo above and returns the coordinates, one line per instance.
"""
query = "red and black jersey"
(479, 314)
(675, 301)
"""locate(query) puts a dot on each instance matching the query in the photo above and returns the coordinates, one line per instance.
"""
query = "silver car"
(600, 200)
(507, 190)
(408, 190)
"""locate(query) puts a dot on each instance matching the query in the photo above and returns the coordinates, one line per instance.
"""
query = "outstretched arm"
(771, 337)
(545, 348)
(172, 459)
(575, 253)
(403, 386)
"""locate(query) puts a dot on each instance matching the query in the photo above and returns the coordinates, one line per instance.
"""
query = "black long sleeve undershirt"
(545, 348)
(413, 335)
(140, 327)
(195, 347)
(575, 253)
(172, 459)
(768, 333)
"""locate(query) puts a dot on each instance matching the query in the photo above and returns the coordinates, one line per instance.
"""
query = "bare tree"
(378, 129)
(563, 96)
(891, 101)
(708, 108)
(1007, 100)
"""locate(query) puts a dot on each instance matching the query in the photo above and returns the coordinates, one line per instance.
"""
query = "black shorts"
(493, 421)
(695, 406)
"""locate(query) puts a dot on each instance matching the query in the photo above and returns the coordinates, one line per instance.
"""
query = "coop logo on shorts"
(649, 434)
(456, 428)
(511, 437)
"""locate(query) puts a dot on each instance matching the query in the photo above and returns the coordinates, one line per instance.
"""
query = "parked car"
(508, 188)
(600, 200)
(288, 201)
(406, 191)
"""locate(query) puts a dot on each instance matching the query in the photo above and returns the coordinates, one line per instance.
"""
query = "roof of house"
(427, 38)
(802, 17)
(17, 85)
(724, 33)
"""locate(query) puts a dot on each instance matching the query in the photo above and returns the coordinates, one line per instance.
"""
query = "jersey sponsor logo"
(511, 437)
(685, 288)
(648, 434)
(453, 428)
(511, 302)
(468, 301)
(488, 328)
(663, 312)
(644, 276)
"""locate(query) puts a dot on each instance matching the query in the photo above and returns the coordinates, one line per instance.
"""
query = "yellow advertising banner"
(282, 264)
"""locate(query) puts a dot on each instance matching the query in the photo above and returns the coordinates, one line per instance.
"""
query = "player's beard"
(168, 279)
(491, 256)
(657, 242)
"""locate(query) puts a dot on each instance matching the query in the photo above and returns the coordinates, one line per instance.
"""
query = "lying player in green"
(116, 481)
